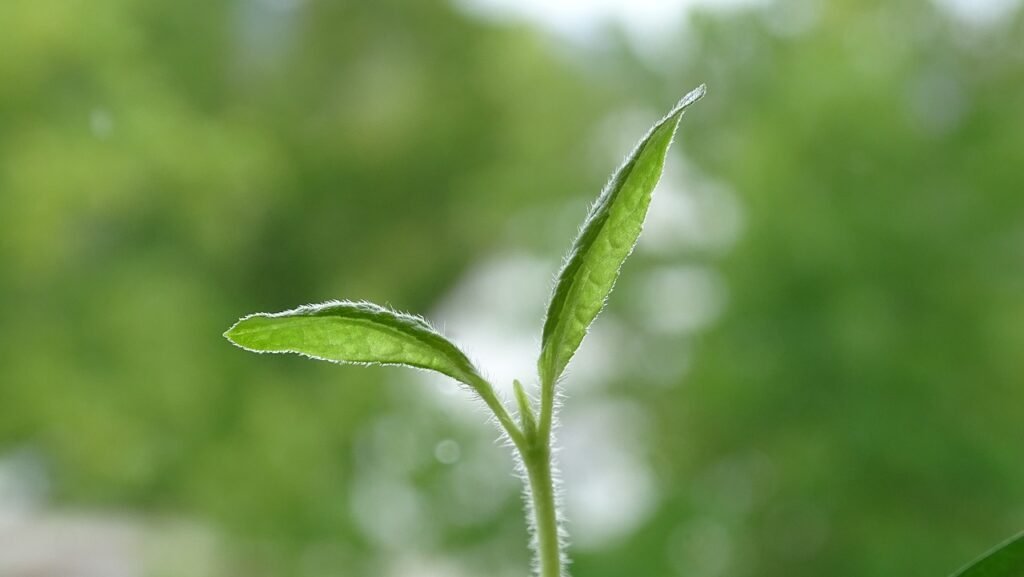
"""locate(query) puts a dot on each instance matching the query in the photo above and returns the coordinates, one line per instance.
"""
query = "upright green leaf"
(605, 241)
(1006, 560)
(358, 333)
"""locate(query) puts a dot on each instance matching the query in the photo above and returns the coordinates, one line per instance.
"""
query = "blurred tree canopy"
(857, 409)
(167, 167)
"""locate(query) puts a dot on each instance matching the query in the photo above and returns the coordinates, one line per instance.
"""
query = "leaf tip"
(235, 335)
(230, 333)
(694, 95)
(691, 97)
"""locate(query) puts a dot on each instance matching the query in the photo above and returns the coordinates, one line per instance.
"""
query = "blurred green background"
(813, 365)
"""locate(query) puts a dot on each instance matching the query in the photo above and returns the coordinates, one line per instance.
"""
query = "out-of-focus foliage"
(169, 166)
(859, 407)
(828, 364)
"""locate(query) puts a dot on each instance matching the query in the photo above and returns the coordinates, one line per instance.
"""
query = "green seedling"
(368, 334)
(364, 333)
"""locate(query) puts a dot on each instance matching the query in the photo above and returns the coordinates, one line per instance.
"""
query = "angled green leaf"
(605, 241)
(355, 332)
(1006, 560)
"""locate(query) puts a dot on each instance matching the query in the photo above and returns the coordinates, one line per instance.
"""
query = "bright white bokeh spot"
(494, 313)
(388, 511)
(582, 20)
(23, 486)
(680, 299)
(609, 485)
(981, 13)
(447, 452)
(690, 213)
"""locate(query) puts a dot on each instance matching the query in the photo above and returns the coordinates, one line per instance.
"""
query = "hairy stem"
(537, 458)
(542, 490)
(533, 441)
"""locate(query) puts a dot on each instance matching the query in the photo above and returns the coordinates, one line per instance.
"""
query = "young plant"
(368, 334)
(364, 333)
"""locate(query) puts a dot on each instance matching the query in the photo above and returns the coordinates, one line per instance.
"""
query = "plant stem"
(533, 441)
(537, 460)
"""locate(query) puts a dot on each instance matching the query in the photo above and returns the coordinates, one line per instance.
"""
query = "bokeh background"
(813, 364)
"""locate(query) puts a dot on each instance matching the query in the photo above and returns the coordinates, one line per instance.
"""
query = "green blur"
(855, 410)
